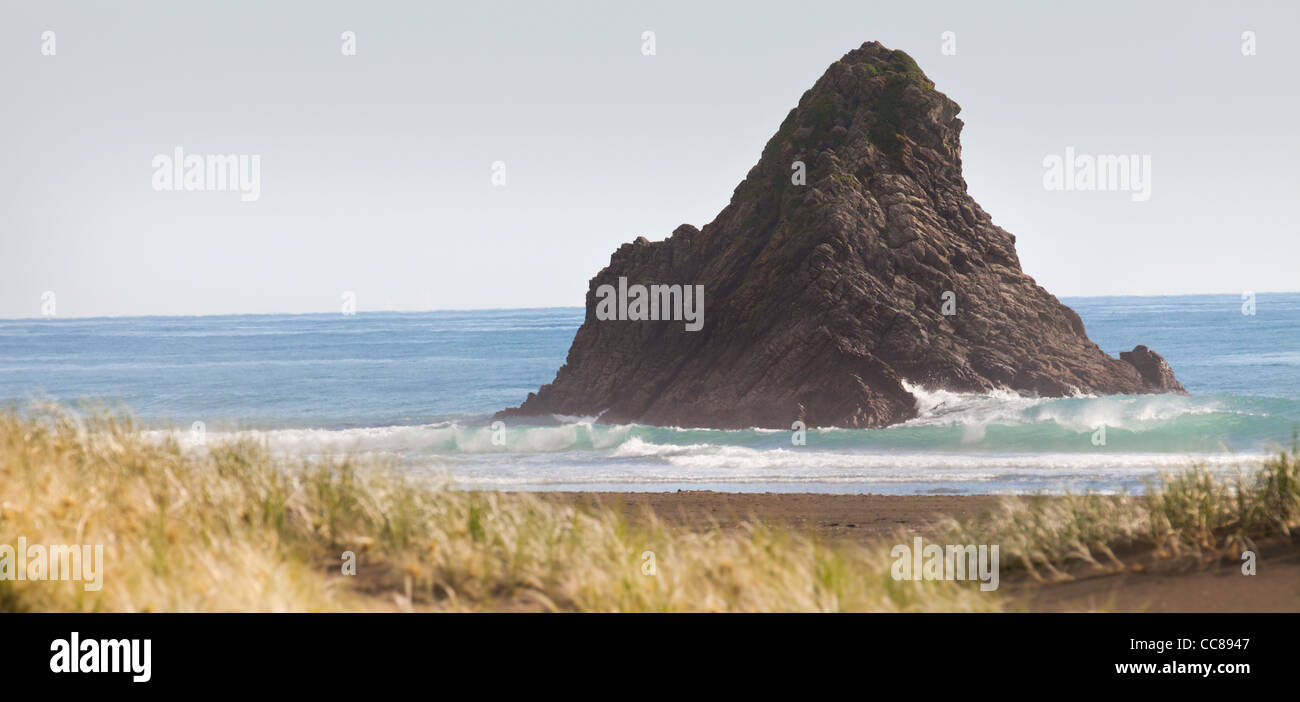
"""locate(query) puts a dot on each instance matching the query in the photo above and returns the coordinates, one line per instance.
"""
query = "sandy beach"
(1147, 584)
(861, 518)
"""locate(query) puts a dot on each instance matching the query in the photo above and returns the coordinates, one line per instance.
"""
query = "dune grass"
(1196, 514)
(233, 528)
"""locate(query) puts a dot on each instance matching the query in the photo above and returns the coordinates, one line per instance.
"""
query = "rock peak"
(850, 260)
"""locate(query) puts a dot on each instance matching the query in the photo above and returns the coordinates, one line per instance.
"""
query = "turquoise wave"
(968, 424)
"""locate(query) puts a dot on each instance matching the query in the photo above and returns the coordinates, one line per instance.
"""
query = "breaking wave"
(958, 443)
(947, 422)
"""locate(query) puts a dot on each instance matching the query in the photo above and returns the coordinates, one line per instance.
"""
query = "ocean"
(420, 388)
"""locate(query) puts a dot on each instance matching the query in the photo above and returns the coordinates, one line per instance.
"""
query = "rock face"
(1153, 368)
(823, 299)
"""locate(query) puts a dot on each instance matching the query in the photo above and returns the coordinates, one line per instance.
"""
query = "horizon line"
(521, 309)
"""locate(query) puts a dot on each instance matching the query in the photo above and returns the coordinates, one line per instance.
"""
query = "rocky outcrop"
(825, 300)
(1153, 368)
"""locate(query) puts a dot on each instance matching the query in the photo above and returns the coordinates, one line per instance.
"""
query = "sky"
(376, 169)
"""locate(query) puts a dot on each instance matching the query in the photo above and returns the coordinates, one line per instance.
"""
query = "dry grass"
(233, 528)
(1196, 514)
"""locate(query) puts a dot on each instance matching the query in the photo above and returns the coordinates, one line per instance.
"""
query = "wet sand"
(852, 517)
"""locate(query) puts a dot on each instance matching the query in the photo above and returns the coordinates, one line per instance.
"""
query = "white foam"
(798, 470)
(635, 447)
(1079, 413)
(443, 437)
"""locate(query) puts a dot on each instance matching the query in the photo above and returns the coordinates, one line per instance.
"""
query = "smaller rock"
(1153, 368)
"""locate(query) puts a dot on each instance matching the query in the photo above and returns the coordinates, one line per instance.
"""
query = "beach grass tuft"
(1193, 514)
(233, 527)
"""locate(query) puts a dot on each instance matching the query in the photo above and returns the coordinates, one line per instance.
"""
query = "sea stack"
(825, 297)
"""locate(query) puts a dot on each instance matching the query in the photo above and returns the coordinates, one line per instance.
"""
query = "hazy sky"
(376, 168)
